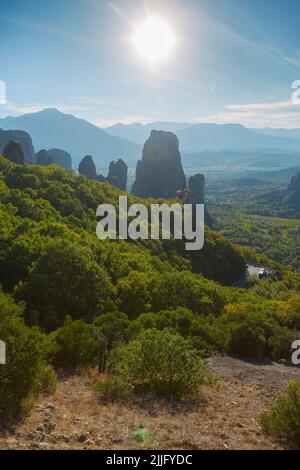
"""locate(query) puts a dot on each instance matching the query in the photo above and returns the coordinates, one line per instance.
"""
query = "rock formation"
(87, 167)
(42, 158)
(60, 158)
(117, 175)
(197, 185)
(13, 151)
(56, 156)
(159, 174)
(101, 179)
(23, 139)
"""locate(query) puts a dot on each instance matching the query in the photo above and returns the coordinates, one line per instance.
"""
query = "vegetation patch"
(283, 420)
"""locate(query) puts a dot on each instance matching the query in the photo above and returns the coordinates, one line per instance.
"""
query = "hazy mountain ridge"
(139, 133)
(52, 129)
(280, 132)
(200, 144)
(214, 137)
(230, 137)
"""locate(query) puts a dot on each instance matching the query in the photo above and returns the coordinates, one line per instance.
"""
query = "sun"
(154, 40)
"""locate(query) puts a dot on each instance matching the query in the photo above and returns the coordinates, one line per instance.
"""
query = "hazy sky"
(234, 60)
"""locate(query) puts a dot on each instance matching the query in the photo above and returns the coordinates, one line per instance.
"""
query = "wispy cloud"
(270, 114)
(261, 106)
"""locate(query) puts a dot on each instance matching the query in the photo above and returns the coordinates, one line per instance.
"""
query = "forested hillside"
(50, 215)
(69, 299)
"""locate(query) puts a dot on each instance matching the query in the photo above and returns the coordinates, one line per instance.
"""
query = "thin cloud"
(261, 106)
(256, 117)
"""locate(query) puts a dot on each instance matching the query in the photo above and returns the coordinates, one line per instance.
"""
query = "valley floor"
(225, 417)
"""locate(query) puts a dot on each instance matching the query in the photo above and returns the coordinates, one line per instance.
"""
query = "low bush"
(77, 344)
(246, 330)
(113, 389)
(283, 420)
(47, 380)
(160, 362)
(25, 360)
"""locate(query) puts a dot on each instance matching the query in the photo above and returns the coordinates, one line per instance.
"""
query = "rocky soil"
(225, 417)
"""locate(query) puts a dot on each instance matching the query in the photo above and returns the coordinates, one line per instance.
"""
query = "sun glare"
(154, 40)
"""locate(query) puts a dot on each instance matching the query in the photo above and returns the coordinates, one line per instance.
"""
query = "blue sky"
(234, 61)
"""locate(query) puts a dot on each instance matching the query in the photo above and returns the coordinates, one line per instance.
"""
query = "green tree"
(114, 328)
(133, 294)
(65, 279)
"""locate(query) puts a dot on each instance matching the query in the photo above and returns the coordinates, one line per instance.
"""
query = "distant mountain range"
(282, 133)
(196, 138)
(139, 133)
(230, 137)
(52, 129)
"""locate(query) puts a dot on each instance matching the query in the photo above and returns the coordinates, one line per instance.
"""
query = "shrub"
(179, 320)
(283, 420)
(245, 330)
(47, 380)
(113, 389)
(141, 434)
(25, 353)
(246, 340)
(77, 344)
(114, 328)
(160, 362)
(280, 343)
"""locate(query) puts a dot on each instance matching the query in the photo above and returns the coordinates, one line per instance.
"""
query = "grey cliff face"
(56, 156)
(13, 151)
(87, 167)
(159, 174)
(117, 175)
(21, 138)
(60, 158)
(197, 186)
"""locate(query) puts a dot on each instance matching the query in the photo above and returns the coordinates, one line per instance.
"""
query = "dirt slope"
(226, 417)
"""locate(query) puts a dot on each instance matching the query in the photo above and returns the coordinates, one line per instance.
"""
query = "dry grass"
(225, 417)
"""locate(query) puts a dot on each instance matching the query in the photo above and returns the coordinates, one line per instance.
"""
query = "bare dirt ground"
(225, 417)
